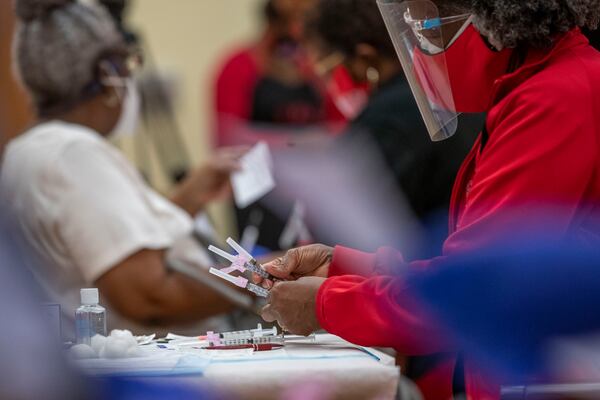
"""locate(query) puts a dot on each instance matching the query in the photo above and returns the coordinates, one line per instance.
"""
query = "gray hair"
(532, 23)
(57, 45)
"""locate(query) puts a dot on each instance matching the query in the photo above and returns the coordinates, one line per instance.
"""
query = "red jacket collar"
(537, 60)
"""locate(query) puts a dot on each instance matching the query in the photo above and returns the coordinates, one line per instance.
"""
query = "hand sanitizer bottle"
(90, 318)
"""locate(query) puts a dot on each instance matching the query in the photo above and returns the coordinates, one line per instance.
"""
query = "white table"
(331, 366)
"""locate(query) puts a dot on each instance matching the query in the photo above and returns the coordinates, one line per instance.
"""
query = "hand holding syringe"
(311, 260)
(241, 262)
(305, 269)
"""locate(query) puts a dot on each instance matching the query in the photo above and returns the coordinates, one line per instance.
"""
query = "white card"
(255, 179)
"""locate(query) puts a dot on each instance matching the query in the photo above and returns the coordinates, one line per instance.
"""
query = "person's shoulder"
(34, 167)
(43, 148)
(239, 60)
(396, 92)
(393, 105)
(583, 70)
(240, 55)
(570, 79)
(565, 86)
(53, 136)
(556, 102)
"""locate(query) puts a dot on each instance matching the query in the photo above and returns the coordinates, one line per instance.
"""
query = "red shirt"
(234, 91)
(544, 140)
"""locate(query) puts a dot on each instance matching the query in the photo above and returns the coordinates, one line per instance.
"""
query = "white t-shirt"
(82, 207)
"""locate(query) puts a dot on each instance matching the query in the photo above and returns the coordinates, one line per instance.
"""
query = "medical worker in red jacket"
(528, 65)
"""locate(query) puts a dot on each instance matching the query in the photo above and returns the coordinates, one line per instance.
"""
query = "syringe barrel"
(257, 290)
(255, 267)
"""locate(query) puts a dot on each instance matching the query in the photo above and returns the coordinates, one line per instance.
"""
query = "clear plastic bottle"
(90, 318)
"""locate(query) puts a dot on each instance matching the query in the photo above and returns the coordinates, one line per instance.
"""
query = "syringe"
(242, 262)
(242, 282)
(254, 337)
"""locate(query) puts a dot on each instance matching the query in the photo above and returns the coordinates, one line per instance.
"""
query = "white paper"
(255, 179)
(155, 363)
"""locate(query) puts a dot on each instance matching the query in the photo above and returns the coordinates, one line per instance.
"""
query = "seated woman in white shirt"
(88, 215)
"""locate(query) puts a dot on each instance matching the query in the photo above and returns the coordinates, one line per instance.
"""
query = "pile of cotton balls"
(120, 344)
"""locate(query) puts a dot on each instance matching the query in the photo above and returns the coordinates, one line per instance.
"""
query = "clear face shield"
(421, 36)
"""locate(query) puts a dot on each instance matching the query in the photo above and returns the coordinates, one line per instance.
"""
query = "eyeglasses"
(431, 23)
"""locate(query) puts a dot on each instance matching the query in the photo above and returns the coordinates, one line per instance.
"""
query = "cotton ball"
(82, 352)
(125, 335)
(98, 342)
(134, 352)
(115, 348)
(120, 333)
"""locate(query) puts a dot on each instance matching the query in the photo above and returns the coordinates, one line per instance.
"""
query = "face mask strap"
(113, 79)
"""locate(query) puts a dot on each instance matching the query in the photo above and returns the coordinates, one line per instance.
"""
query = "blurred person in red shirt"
(269, 83)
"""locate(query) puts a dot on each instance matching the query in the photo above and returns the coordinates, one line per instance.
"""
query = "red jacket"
(543, 145)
